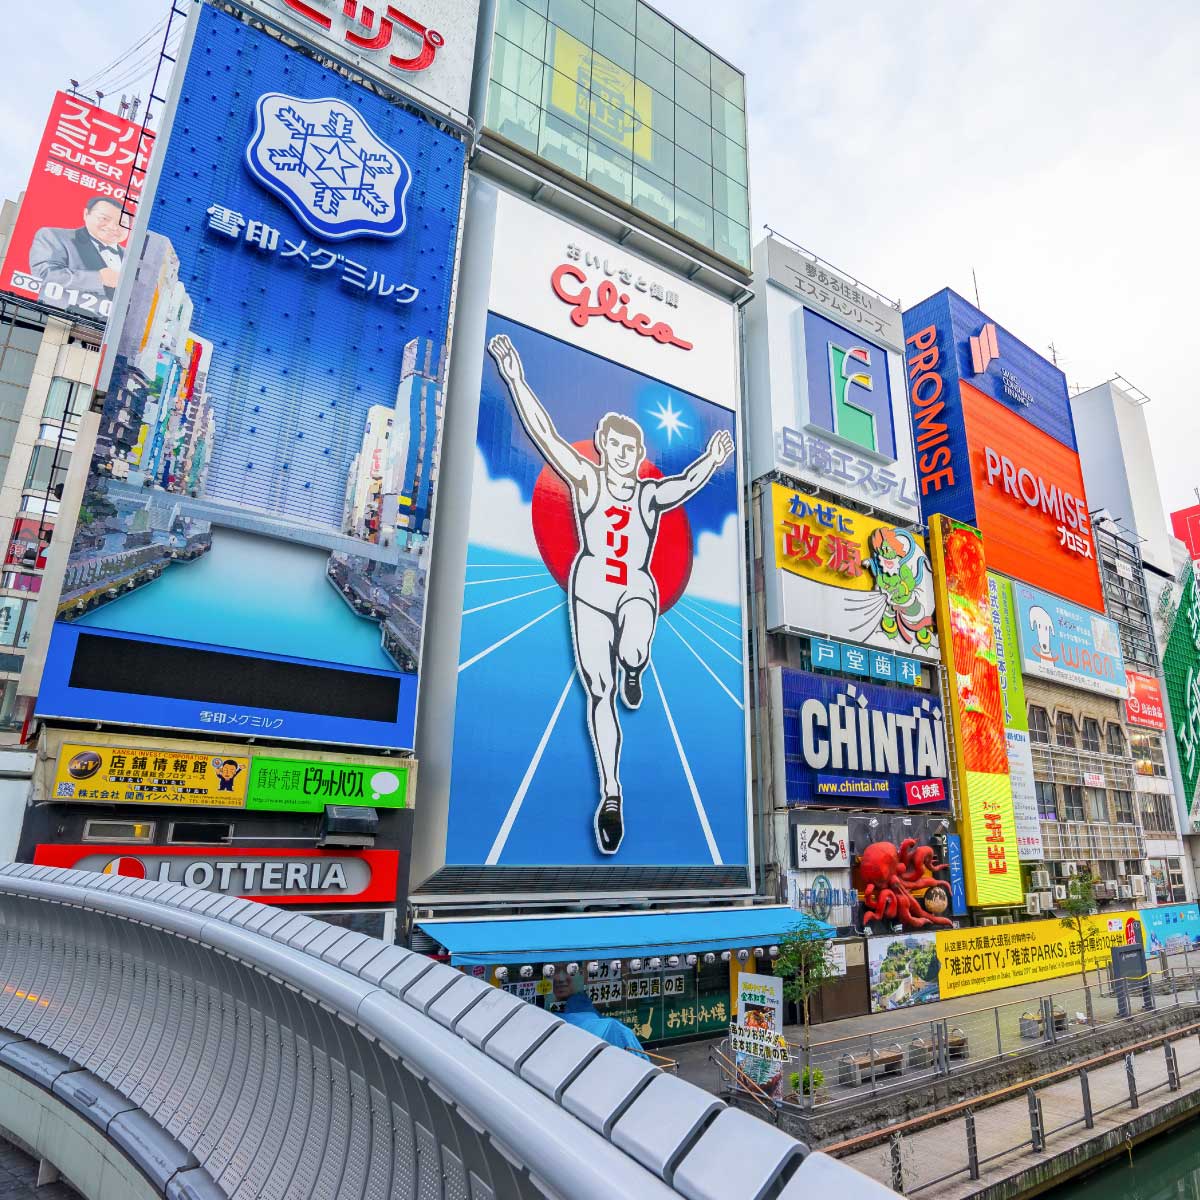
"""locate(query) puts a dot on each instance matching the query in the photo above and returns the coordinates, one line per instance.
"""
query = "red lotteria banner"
(69, 243)
(1145, 705)
(272, 876)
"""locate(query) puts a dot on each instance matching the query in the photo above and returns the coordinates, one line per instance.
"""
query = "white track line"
(737, 658)
(515, 807)
(508, 599)
(701, 661)
(504, 578)
(508, 637)
(696, 604)
(687, 770)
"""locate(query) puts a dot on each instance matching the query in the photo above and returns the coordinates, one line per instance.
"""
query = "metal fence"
(970, 1137)
(845, 1070)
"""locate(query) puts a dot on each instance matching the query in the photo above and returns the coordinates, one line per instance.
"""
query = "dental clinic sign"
(1068, 644)
(425, 48)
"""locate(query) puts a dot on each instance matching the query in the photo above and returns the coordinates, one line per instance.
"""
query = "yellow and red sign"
(988, 827)
(150, 775)
(1144, 706)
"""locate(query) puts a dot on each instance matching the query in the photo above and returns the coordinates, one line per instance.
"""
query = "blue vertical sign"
(958, 880)
(251, 551)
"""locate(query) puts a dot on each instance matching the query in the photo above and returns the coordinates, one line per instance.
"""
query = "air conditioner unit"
(1122, 869)
(1070, 868)
(1111, 889)
(1005, 920)
(1100, 891)
(1137, 885)
(1124, 892)
(1033, 903)
(1047, 899)
(1041, 879)
(1060, 891)
(989, 920)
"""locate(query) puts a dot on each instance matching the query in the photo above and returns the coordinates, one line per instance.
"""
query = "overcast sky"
(1051, 146)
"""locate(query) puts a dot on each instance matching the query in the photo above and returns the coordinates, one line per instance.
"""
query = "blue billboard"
(1171, 927)
(251, 550)
(1068, 643)
(854, 744)
(600, 705)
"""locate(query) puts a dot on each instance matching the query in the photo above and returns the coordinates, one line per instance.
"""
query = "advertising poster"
(824, 896)
(1068, 644)
(987, 826)
(846, 575)
(600, 711)
(822, 845)
(995, 446)
(1144, 705)
(1172, 928)
(135, 775)
(901, 871)
(760, 1049)
(903, 970)
(980, 960)
(1181, 669)
(829, 399)
(861, 744)
(1016, 720)
(70, 243)
(251, 552)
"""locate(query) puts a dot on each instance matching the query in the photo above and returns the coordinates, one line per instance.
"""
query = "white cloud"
(715, 574)
(500, 518)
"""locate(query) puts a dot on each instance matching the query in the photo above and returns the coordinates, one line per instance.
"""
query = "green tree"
(804, 965)
(1079, 905)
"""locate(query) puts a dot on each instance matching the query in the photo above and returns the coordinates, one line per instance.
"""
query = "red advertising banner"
(925, 791)
(69, 243)
(1145, 705)
(271, 876)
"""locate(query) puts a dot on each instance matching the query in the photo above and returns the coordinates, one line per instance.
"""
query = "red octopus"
(888, 873)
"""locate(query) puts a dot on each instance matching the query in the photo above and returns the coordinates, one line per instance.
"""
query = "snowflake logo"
(323, 160)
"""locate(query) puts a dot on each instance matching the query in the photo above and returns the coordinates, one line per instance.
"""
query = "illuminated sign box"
(995, 446)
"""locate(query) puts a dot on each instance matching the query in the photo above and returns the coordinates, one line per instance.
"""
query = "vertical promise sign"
(976, 714)
(252, 547)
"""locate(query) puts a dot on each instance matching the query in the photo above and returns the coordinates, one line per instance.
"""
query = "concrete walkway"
(1001, 1129)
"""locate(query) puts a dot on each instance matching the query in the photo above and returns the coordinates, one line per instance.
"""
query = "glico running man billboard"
(599, 717)
(252, 546)
(995, 445)
(70, 241)
(826, 380)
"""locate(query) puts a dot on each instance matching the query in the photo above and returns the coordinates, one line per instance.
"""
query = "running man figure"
(612, 596)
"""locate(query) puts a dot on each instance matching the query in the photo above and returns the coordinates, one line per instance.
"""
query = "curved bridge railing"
(221, 1048)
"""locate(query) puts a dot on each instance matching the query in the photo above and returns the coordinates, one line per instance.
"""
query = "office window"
(1095, 803)
(1123, 806)
(47, 468)
(66, 400)
(1091, 735)
(1039, 725)
(1148, 756)
(1047, 808)
(1158, 813)
(1064, 730)
(615, 94)
(1116, 741)
(1073, 802)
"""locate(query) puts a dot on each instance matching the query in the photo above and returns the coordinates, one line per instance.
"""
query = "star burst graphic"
(670, 419)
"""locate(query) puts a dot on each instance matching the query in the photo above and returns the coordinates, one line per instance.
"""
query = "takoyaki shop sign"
(841, 574)
(859, 745)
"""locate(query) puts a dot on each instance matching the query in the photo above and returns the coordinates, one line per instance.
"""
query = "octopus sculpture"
(889, 873)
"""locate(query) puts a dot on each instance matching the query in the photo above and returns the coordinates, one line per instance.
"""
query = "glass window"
(513, 117)
(693, 219)
(1091, 735)
(1123, 803)
(1095, 804)
(610, 170)
(727, 83)
(624, 12)
(692, 136)
(653, 195)
(1116, 741)
(10, 711)
(520, 25)
(692, 57)
(1039, 725)
(12, 609)
(65, 400)
(728, 120)
(614, 43)
(47, 468)
(564, 145)
(692, 95)
(516, 70)
(1064, 730)
(695, 177)
(1175, 874)
(17, 367)
(575, 16)
(1047, 809)
(730, 198)
(567, 99)
(1073, 802)
(1148, 756)
(655, 69)
(1158, 813)
(729, 158)
(732, 239)
(655, 31)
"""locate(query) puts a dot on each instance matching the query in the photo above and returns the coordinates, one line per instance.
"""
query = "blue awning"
(495, 941)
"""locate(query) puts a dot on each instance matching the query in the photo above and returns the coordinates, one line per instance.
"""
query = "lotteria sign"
(275, 876)
(995, 446)
(859, 744)
(1068, 644)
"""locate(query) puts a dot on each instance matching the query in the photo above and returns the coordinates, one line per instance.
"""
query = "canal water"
(1168, 1166)
(254, 593)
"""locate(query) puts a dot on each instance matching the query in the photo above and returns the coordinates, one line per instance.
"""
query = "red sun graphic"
(558, 539)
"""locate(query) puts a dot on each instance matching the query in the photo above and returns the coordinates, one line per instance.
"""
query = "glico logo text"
(570, 284)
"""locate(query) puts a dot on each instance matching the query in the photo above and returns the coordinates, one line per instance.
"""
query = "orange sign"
(1144, 705)
(1030, 502)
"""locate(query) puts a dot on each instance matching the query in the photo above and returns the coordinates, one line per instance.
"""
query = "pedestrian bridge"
(161, 1041)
